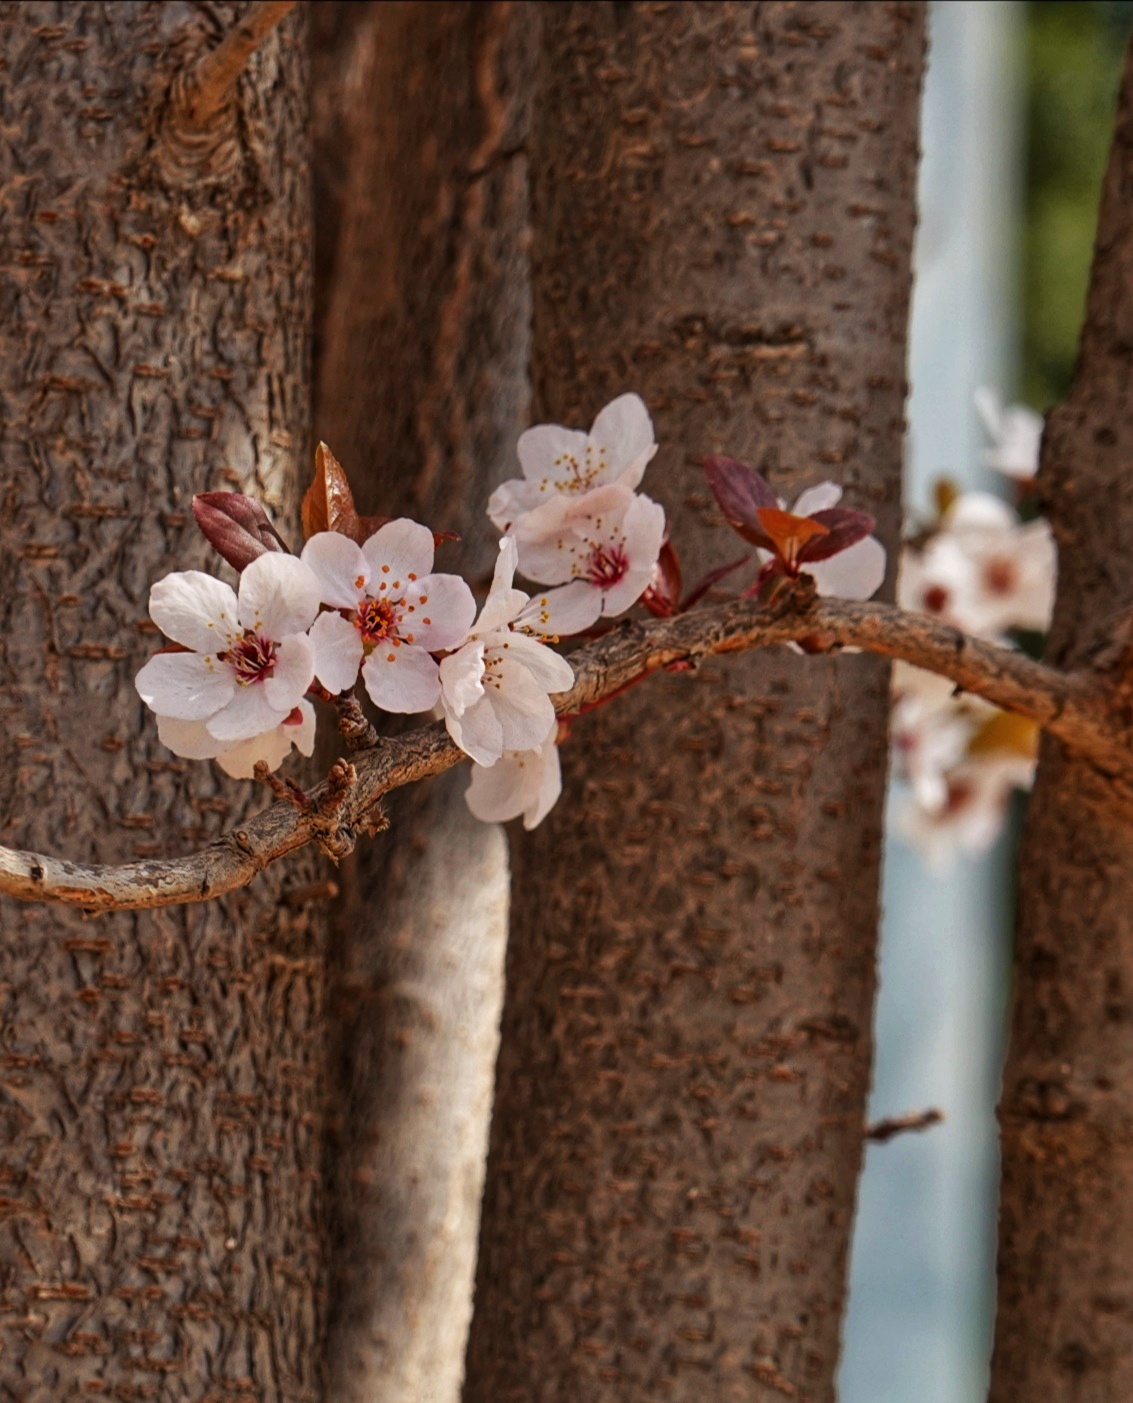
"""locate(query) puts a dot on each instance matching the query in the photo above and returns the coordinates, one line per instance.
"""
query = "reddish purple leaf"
(844, 528)
(236, 526)
(742, 493)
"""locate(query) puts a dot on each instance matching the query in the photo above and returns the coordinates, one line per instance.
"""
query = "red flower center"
(935, 599)
(1000, 577)
(252, 659)
(606, 565)
(375, 620)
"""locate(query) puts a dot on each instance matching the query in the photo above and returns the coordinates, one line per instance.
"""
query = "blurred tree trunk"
(1065, 1323)
(422, 334)
(160, 1087)
(723, 210)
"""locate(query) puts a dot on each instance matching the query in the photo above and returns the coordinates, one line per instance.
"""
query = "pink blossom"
(565, 462)
(390, 613)
(247, 660)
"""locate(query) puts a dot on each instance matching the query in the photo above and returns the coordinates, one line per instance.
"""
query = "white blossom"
(972, 812)
(607, 539)
(248, 660)
(559, 461)
(526, 782)
(1016, 435)
(191, 739)
(496, 687)
(395, 613)
(984, 571)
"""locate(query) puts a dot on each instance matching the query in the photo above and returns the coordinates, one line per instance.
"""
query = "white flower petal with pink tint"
(553, 673)
(478, 731)
(343, 570)
(402, 679)
(337, 651)
(194, 609)
(816, 499)
(189, 739)
(401, 551)
(442, 615)
(526, 782)
(248, 714)
(560, 461)
(855, 573)
(462, 678)
(272, 748)
(560, 612)
(292, 674)
(523, 708)
(278, 595)
(185, 686)
(1016, 434)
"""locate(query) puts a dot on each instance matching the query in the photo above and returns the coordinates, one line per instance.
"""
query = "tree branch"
(206, 88)
(1072, 706)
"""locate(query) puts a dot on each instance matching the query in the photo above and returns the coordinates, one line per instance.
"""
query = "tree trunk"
(1065, 1324)
(422, 376)
(723, 217)
(161, 1075)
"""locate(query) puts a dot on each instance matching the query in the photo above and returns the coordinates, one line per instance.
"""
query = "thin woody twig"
(881, 1131)
(1075, 707)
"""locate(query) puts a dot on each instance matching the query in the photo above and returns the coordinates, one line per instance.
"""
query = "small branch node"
(285, 789)
(356, 730)
(340, 783)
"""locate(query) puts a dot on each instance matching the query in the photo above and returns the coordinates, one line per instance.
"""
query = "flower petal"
(279, 595)
(343, 570)
(402, 679)
(185, 686)
(189, 739)
(337, 651)
(551, 455)
(549, 669)
(248, 714)
(272, 748)
(560, 612)
(856, 573)
(462, 675)
(817, 499)
(294, 672)
(521, 704)
(511, 500)
(401, 549)
(303, 735)
(439, 612)
(625, 430)
(195, 610)
(478, 732)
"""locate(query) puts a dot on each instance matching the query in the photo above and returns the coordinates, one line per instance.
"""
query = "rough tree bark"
(722, 220)
(423, 327)
(1065, 1323)
(159, 1090)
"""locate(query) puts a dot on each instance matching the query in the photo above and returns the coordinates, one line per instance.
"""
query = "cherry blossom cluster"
(363, 603)
(984, 569)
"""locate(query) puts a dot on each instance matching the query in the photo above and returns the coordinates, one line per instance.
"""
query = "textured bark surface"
(423, 321)
(159, 1072)
(1065, 1323)
(722, 220)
